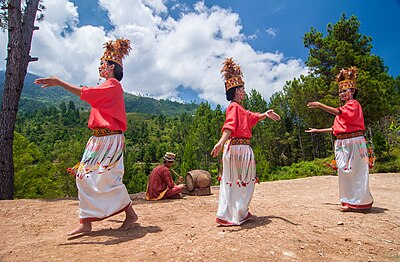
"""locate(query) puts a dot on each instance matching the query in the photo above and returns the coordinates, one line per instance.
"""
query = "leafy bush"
(318, 167)
(388, 164)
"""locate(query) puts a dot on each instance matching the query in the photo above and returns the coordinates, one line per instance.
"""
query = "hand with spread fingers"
(48, 81)
(272, 115)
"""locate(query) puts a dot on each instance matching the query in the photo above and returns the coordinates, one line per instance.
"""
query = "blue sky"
(178, 46)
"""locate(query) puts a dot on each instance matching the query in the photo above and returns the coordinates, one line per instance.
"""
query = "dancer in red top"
(99, 174)
(239, 167)
(350, 147)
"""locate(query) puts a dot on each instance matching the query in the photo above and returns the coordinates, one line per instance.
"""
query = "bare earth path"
(296, 220)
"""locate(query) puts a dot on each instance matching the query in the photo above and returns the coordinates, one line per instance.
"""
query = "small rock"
(340, 223)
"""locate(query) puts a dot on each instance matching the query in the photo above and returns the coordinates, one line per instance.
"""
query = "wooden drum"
(197, 179)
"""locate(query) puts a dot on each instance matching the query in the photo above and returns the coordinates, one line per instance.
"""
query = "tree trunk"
(20, 31)
(303, 156)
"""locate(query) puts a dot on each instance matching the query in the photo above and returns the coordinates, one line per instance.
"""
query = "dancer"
(350, 147)
(99, 174)
(239, 167)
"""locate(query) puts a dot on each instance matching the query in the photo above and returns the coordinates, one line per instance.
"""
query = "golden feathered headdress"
(116, 50)
(347, 78)
(232, 74)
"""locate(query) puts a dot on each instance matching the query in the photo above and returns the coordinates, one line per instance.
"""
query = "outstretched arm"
(324, 107)
(55, 81)
(270, 114)
(218, 146)
(315, 130)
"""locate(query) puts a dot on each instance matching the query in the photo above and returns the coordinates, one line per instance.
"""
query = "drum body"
(197, 179)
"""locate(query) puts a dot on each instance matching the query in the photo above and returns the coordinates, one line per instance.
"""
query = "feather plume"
(120, 46)
(347, 74)
(230, 69)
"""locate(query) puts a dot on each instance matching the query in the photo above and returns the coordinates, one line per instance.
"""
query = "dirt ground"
(295, 220)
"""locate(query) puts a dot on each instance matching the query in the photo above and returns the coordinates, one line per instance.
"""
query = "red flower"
(71, 171)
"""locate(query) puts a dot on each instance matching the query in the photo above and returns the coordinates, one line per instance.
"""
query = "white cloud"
(271, 32)
(167, 52)
(157, 5)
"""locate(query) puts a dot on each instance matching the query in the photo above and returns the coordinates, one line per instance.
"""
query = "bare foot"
(130, 220)
(82, 228)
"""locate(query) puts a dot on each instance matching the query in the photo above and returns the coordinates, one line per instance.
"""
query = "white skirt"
(236, 185)
(353, 169)
(99, 178)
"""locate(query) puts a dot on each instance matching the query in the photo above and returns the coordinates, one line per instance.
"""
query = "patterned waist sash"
(240, 141)
(350, 135)
(105, 132)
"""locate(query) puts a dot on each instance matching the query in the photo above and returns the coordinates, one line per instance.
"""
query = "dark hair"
(230, 94)
(355, 93)
(118, 70)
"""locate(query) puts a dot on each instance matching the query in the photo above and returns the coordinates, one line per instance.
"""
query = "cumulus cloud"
(167, 52)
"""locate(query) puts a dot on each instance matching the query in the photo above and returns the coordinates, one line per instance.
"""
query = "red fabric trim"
(223, 222)
(249, 216)
(357, 206)
(227, 223)
(91, 219)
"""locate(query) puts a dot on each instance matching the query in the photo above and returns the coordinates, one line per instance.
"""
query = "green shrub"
(318, 167)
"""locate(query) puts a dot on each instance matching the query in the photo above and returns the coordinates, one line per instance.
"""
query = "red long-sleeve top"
(240, 121)
(108, 107)
(350, 119)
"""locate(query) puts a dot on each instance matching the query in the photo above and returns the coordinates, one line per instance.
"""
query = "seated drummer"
(161, 184)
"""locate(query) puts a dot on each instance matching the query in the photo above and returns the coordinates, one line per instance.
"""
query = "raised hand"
(311, 130)
(313, 104)
(272, 115)
(48, 81)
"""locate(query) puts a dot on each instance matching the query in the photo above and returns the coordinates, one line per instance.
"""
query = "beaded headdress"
(347, 78)
(116, 50)
(232, 74)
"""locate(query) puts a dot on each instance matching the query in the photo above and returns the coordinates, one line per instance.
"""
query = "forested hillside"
(33, 97)
(50, 139)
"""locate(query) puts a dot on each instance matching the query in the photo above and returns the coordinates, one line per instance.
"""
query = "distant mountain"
(33, 97)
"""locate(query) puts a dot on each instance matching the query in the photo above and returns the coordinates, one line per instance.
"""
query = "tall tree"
(18, 18)
(343, 46)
